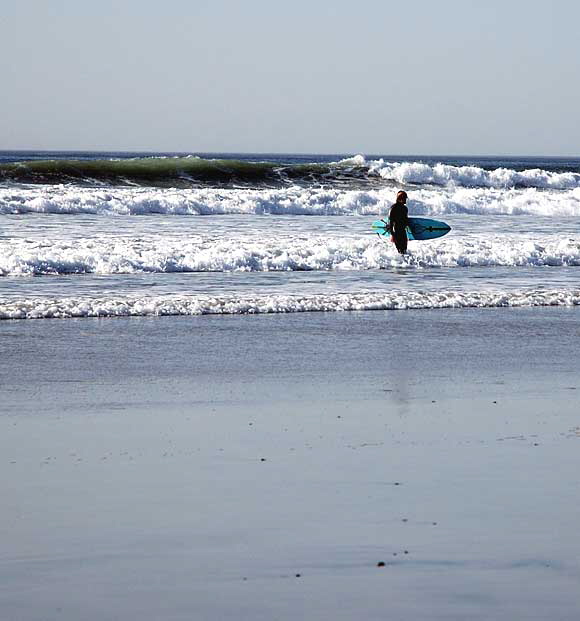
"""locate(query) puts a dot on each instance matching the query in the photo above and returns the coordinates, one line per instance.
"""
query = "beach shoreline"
(260, 467)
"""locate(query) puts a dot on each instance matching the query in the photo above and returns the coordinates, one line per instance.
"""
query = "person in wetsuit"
(399, 221)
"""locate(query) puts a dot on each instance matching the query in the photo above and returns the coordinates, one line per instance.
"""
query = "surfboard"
(418, 229)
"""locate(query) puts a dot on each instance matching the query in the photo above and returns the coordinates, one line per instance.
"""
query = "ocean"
(134, 234)
(219, 450)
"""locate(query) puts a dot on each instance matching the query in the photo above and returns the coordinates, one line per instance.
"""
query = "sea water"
(124, 234)
(251, 467)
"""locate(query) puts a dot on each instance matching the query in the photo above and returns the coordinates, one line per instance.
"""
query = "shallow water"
(90, 262)
(98, 246)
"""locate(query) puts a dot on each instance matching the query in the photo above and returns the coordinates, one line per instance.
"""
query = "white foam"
(288, 201)
(39, 308)
(494, 202)
(251, 253)
(355, 160)
(468, 176)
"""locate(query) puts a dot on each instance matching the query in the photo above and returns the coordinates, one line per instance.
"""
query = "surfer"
(399, 221)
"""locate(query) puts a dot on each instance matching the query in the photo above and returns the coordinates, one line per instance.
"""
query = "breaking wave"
(284, 201)
(41, 308)
(440, 174)
(113, 255)
(193, 171)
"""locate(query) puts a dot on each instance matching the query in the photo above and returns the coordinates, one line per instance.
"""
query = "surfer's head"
(402, 197)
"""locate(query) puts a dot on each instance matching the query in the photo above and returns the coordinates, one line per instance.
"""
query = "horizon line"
(290, 153)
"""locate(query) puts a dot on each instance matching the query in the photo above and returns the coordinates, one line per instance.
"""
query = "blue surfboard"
(418, 229)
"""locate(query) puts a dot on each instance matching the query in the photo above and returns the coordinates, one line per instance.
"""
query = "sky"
(303, 76)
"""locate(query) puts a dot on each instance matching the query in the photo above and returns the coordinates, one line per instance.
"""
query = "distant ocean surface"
(134, 234)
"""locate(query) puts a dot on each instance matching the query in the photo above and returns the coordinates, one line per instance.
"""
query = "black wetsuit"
(398, 221)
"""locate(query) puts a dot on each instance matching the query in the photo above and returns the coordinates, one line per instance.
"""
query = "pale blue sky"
(447, 77)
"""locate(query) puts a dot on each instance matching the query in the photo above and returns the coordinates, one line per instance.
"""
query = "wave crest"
(311, 253)
(40, 308)
(473, 176)
(356, 171)
(286, 201)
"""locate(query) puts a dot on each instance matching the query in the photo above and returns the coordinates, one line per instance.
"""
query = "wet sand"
(373, 465)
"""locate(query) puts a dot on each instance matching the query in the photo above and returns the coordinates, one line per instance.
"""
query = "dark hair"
(401, 194)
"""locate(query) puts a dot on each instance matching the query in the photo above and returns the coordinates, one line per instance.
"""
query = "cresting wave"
(110, 255)
(418, 173)
(187, 171)
(40, 308)
(284, 201)
(355, 171)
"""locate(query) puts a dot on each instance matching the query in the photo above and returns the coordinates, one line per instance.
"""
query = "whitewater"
(94, 235)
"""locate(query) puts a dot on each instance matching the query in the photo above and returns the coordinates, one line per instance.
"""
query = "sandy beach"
(373, 465)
